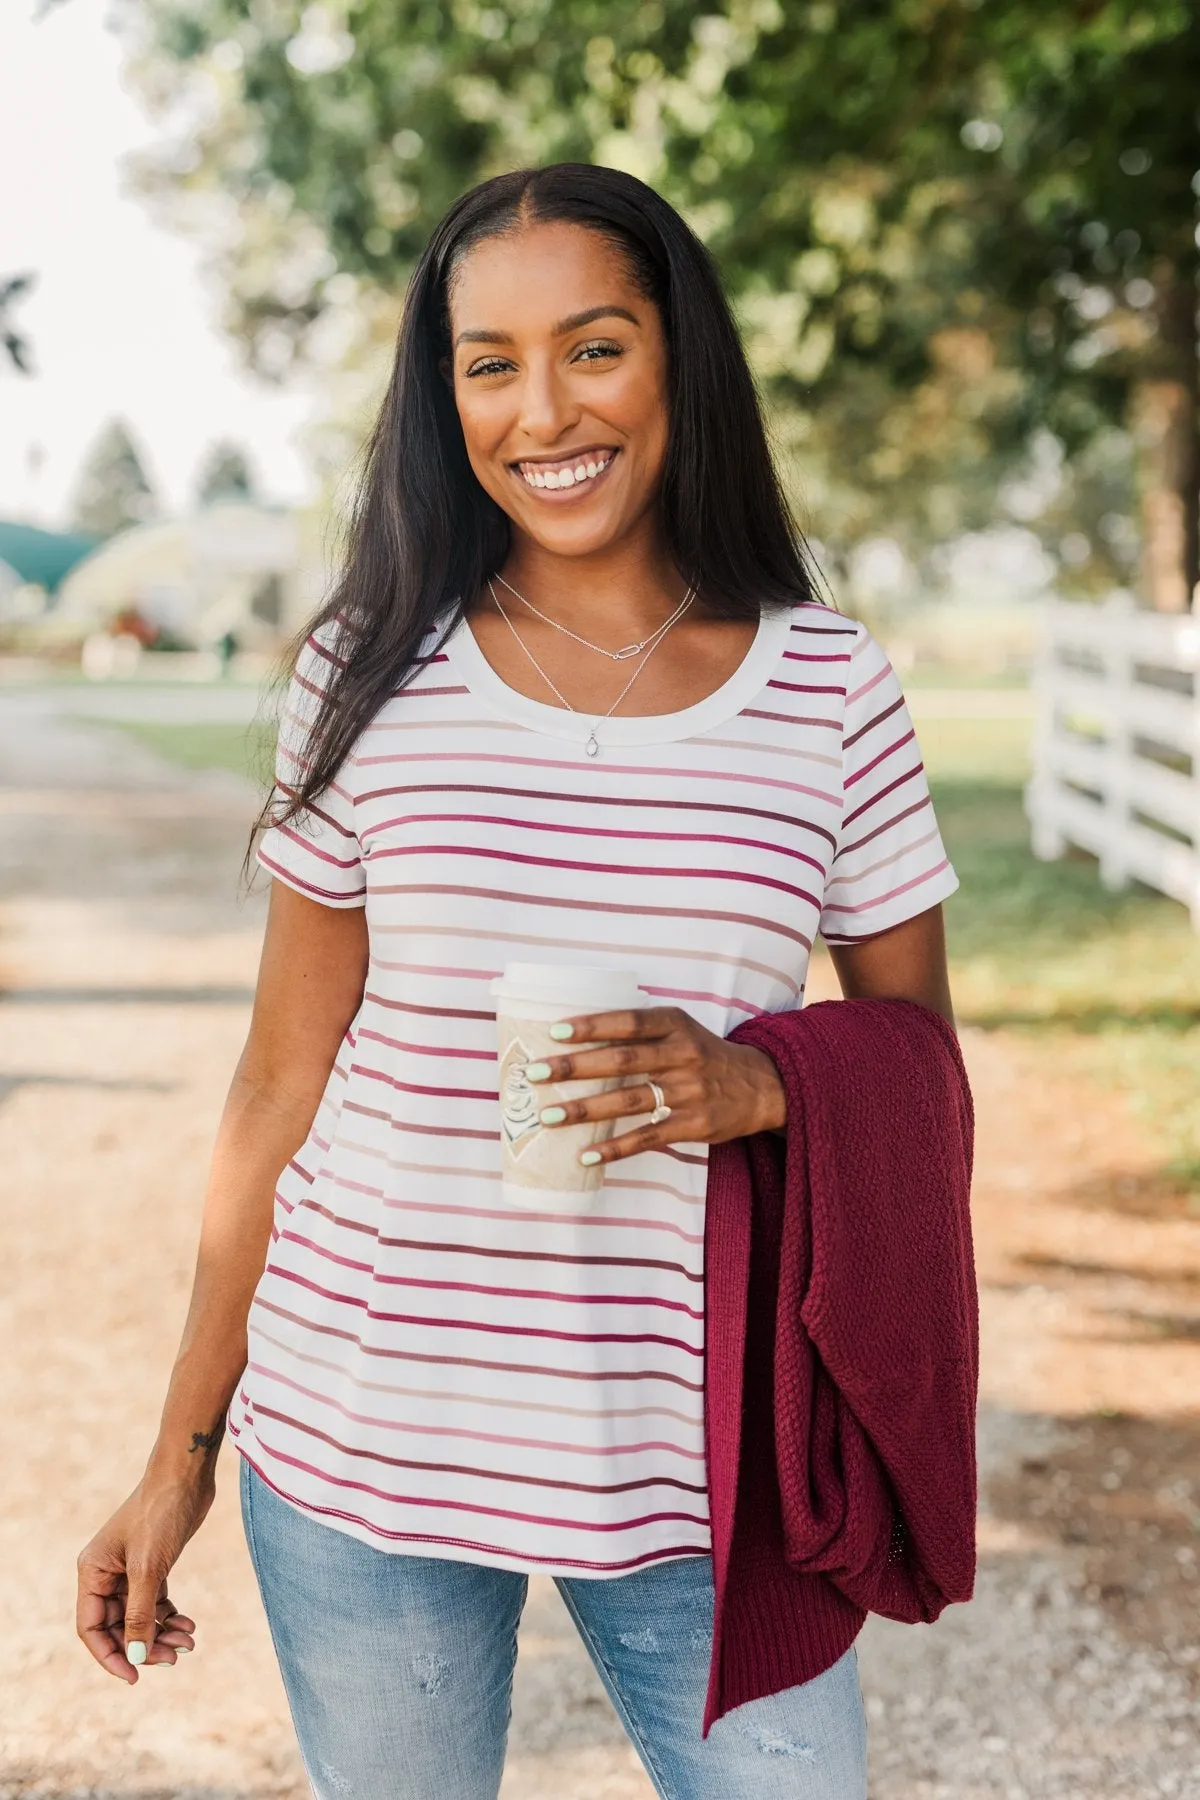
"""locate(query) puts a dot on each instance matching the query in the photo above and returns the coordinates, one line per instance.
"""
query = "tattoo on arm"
(205, 1440)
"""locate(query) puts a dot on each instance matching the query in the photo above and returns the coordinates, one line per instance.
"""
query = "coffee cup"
(540, 1164)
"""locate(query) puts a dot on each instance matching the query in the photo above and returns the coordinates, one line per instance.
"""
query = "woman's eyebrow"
(482, 337)
(574, 322)
(577, 320)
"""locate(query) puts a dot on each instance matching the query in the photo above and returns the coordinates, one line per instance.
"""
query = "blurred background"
(962, 239)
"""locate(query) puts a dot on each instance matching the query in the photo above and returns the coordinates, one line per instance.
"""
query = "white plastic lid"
(569, 985)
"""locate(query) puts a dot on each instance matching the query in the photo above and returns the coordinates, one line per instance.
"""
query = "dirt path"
(128, 962)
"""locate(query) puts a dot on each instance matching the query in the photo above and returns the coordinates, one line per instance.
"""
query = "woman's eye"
(488, 365)
(602, 350)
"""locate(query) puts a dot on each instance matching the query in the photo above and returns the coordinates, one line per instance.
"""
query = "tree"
(13, 287)
(112, 491)
(16, 344)
(225, 475)
(947, 225)
(1087, 115)
(1052, 150)
(1112, 207)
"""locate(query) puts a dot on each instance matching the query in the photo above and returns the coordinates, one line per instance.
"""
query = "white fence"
(1116, 753)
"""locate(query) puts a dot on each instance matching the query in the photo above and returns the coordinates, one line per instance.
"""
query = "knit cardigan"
(842, 1346)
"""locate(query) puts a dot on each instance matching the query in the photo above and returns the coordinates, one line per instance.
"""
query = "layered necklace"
(645, 648)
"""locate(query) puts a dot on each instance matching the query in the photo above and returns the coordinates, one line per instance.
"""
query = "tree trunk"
(1166, 421)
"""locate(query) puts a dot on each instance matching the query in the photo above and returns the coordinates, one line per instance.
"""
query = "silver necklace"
(592, 746)
(626, 650)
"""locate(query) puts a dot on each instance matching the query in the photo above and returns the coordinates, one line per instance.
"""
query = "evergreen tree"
(112, 490)
(225, 475)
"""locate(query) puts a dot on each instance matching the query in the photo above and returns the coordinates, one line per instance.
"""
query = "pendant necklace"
(626, 650)
(592, 745)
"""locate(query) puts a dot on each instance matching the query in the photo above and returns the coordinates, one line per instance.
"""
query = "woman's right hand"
(123, 1612)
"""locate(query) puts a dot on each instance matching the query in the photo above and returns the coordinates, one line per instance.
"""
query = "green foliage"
(947, 224)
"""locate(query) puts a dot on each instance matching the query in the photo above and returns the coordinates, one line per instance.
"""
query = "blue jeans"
(399, 1669)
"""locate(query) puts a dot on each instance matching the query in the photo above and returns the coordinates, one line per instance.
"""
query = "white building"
(234, 567)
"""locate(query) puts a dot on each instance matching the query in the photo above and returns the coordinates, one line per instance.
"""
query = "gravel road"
(127, 959)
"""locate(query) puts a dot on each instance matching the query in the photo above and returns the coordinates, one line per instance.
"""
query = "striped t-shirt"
(430, 1368)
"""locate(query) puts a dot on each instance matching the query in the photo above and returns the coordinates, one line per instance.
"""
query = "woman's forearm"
(310, 984)
(260, 1129)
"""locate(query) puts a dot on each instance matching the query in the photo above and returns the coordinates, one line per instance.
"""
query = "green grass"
(1100, 984)
(245, 749)
(924, 677)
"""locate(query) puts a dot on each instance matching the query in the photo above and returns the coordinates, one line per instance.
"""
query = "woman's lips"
(565, 476)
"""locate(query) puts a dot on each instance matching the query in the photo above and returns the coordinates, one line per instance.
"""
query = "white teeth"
(565, 477)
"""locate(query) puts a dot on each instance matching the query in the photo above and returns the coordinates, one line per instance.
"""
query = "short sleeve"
(318, 852)
(890, 863)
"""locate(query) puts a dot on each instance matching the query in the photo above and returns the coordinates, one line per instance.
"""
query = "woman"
(573, 700)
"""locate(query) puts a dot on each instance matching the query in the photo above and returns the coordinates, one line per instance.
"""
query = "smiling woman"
(572, 700)
(558, 314)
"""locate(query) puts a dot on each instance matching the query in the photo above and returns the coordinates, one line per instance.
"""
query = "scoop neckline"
(725, 702)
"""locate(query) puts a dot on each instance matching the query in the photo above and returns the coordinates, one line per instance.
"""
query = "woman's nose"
(547, 409)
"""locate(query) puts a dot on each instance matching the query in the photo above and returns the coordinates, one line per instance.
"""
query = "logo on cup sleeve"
(519, 1099)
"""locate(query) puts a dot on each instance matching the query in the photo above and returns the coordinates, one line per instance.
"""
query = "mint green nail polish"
(590, 1158)
(135, 1653)
(553, 1115)
(537, 1071)
(560, 1033)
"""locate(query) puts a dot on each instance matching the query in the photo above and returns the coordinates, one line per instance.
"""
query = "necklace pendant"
(625, 654)
(592, 747)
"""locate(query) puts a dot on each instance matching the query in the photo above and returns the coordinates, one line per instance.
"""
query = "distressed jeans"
(399, 1669)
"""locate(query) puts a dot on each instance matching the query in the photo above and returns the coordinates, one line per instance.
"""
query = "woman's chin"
(567, 536)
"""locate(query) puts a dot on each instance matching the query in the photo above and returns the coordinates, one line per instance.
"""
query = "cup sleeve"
(317, 853)
(890, 863)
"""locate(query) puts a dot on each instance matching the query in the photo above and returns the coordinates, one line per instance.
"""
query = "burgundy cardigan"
(842, 1346)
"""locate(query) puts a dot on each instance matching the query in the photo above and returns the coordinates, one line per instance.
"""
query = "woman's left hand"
(715, 1090)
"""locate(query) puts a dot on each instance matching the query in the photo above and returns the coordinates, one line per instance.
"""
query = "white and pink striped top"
(430, 1369)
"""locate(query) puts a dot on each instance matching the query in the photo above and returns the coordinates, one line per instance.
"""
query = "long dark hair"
(425, 536)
